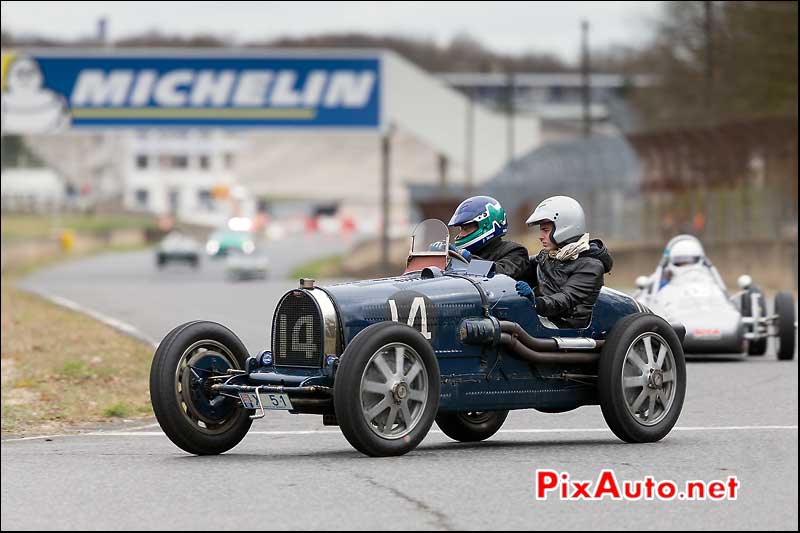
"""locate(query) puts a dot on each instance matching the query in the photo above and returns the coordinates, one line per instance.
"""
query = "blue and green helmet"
(488, 214)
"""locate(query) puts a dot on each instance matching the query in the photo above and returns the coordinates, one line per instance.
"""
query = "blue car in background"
(446, 341)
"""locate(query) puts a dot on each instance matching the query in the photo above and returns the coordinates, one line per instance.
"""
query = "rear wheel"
(386, 393)
(642, 378)
(756, 347)
(784, 308)
(470, 426)
(196, 419)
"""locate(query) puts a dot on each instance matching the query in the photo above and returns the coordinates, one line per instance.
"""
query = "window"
(174, 200)
(228, 158)
(142, 197)
(179, 161)
(205, 199)
(141, 161)
(204, 162)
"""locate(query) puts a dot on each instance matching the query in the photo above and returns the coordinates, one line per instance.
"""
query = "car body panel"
(177, 247)
(695, 299)
(226, 240)
(473, 377)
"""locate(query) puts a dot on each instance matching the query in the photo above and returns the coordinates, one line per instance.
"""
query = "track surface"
(740, 418)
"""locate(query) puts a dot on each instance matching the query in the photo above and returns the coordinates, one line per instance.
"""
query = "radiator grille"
(297, 331)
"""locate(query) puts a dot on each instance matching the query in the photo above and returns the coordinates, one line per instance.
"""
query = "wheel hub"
(400, 391)
(656, 379)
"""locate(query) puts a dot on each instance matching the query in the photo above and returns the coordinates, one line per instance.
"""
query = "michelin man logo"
(27, 107)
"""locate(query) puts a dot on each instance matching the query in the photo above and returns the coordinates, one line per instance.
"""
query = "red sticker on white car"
(708, 333)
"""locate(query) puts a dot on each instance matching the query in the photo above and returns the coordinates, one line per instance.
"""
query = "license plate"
(269, 401)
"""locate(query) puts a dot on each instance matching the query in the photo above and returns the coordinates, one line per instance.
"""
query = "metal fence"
(726, 183)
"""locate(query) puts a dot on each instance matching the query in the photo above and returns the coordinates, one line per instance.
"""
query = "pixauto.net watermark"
(553, 484)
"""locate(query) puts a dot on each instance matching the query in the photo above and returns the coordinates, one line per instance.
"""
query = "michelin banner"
(44, 93)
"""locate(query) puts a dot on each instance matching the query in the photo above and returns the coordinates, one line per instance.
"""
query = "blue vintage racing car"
(447, 340)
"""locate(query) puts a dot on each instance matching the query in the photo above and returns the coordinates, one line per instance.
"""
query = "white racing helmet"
(686, 252)
(567, 216)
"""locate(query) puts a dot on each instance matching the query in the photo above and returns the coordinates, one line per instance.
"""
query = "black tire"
(784, 308)
(168, 398)
(468, 426)
(555, 410)
(161, 261)
(612, 390)
(758, 347)
(347, 397)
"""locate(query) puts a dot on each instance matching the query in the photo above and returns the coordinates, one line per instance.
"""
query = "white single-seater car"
(686, 288)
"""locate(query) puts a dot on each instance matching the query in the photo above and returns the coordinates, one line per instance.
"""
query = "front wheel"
(784, 308)
(470, 426)
(642, 378)
(386, 393)
(195, 418)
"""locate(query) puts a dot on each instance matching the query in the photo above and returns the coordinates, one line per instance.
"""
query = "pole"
(469, 138)
(386, 151)
(510, 114)
(585, 81)
(709, 66)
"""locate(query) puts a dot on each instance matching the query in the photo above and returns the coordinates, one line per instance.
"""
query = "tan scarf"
(571, 251)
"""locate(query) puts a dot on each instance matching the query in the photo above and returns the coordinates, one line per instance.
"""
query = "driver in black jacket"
(567, 275)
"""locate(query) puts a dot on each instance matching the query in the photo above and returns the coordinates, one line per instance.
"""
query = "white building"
(31, 189)
(437, 136)
(183, 173)
(176, 172)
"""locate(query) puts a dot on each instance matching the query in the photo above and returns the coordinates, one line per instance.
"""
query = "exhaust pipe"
(513, 337)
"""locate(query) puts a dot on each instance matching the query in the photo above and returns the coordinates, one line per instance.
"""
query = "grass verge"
(326, 267)
(23, 226)
(60, 368)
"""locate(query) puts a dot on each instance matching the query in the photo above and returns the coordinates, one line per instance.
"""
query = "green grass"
(326, 267)
(21, 227)
(117, 410)
(77, 371)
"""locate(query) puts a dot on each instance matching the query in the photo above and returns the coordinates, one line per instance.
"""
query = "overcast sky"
(513, 27)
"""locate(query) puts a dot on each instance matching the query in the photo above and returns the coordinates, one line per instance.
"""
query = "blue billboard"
(53, 92)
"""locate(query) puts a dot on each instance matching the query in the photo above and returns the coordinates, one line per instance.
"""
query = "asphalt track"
(290, 472)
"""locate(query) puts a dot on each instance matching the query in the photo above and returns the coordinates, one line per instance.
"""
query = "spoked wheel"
(642, 378)
(648, 379)
(470, 426)
(194, 417)
(387, 389)
(394, 391)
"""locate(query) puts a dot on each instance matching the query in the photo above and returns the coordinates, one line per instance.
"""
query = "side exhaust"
(490, 331)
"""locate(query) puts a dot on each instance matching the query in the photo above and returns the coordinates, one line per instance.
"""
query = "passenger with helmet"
(564, 280)
(482, 224)
(684, 253)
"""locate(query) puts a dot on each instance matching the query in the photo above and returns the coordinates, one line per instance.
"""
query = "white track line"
(130, 433)
(105, 319)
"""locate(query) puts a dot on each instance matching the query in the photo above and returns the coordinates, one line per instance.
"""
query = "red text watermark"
(553, 484)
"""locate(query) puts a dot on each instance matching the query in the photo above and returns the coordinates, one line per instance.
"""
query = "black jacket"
(509, 257)
(567, 290)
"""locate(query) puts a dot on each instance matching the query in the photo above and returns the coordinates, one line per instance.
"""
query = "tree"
(741, 63)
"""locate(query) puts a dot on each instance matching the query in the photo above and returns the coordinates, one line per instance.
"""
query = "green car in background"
(224, 241)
